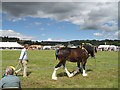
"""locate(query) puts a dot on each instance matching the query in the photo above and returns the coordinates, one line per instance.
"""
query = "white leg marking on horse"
(75, 72)
(54, 74)
(84, 74)
(68, 73)
(78, 69)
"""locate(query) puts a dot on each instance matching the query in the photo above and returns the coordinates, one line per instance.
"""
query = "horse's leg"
(68, 73)
(83, 64)
(79, 68)
(54, 77)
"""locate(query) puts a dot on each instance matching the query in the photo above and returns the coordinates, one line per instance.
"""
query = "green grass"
(42, 62)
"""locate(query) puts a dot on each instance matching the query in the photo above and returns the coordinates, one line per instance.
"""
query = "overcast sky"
(60, 20)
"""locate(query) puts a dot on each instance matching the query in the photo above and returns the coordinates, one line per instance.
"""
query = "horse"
(79, 55)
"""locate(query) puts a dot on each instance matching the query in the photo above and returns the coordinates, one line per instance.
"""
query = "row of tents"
(15, 45)
(108, 48)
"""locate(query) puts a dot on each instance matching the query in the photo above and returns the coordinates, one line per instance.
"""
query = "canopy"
(10, 44)
(106, 46)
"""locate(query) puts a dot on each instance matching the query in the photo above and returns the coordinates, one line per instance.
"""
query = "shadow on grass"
(19, 75)
(28, 73)
(62, 74)
(89, 70)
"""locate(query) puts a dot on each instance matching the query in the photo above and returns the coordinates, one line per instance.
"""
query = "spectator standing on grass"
(56, 53)
(23, 60)
(10, 81)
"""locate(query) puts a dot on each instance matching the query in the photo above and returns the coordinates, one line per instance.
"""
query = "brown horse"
(79, 55)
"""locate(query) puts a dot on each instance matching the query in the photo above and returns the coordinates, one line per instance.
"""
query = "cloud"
(117, 34)
(60, 1)
(42, 29)
(88, 15)
(43, 34)
(49, 39)
(97, 34)
(110, 35)
(57, 39)
(37, 23)
(12, 33)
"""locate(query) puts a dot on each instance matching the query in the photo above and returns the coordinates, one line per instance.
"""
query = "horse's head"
(90, 49)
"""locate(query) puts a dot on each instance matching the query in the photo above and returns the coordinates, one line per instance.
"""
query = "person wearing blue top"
(56, 53)
(23, 60)
(9, 80)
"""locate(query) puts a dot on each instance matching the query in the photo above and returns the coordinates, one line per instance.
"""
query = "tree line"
(52, 43)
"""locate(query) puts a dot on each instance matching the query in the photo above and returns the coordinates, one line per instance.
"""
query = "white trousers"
(23, 68)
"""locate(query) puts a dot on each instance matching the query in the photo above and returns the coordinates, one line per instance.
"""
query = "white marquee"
(10, 45)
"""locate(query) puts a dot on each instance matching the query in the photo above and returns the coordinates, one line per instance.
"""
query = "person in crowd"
(56, 53)
(9, 80)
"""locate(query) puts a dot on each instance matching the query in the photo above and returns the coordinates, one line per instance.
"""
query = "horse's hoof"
(71, 75)
(84, 74)
(54, 78)
(75, 72)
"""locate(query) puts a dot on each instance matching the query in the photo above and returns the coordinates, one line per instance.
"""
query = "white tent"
(47, 47)
(10, 45)
(107, 47)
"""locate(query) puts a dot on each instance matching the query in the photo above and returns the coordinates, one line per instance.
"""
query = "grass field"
(41, 65)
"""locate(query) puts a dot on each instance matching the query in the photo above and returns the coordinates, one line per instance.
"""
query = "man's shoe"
(15, 74)
(25, 76)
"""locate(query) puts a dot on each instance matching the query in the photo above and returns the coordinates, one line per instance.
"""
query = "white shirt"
(23, 55)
